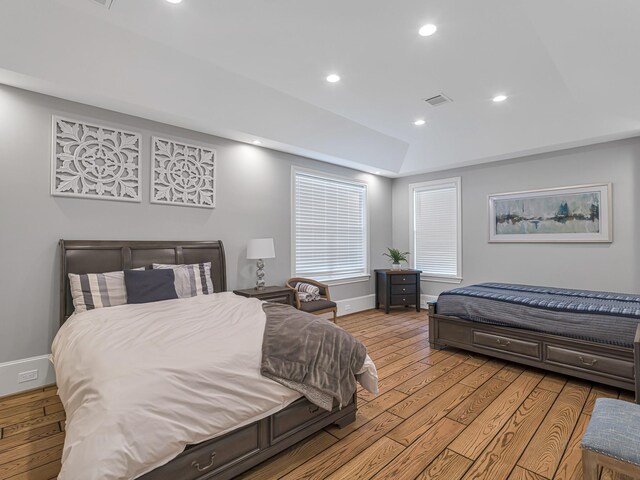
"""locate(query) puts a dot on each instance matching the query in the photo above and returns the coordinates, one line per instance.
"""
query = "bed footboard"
(636, 361)
(433, 327)
(596, 362)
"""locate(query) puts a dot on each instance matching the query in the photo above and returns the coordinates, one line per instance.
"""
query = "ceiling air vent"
(105, 3)
(438, 100)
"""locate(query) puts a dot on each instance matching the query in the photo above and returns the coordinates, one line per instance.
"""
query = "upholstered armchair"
(317, 307)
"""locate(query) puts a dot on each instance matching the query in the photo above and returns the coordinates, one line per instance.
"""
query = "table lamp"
(259, 249)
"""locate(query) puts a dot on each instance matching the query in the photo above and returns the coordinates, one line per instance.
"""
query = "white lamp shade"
(260, 248)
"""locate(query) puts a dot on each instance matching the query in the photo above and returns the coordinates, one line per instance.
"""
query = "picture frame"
(573, 214)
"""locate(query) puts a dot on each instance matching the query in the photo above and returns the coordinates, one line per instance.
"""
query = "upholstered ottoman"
(612, 439)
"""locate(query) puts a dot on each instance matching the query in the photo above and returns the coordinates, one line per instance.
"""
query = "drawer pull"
(314, 409)
(404, 289)
(197, 466)
(404, 279)
(588, 364)
(505, 344)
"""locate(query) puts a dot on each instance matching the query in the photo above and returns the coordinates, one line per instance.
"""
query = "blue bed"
(588, 334)
(603, 317)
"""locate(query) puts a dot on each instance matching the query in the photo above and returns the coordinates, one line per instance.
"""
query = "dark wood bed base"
(223, 457)
(227, 456)
(607, 364)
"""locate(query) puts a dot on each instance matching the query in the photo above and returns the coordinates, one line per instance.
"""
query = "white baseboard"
(367, 302)
(10, 371)
(356, 304)
(424, 299)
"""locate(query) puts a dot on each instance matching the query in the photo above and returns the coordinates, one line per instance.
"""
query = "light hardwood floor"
(440, 414)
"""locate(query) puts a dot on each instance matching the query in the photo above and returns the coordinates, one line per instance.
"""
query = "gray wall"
(254, 189)
(612, 266)
(253, 200)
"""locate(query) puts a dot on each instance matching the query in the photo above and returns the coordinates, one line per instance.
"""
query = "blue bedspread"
(603, 317)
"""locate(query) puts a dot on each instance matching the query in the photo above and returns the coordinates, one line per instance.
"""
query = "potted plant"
(396, 257)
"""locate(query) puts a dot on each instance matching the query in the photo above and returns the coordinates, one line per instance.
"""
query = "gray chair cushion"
(317, 305)
(614, 430)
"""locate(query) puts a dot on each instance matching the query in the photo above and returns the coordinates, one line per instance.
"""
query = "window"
(330, 233)
(436, 229)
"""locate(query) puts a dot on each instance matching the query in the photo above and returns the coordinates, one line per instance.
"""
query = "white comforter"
(140, 382)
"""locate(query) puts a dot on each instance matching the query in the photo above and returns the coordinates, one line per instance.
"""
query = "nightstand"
(398, 287)
(270, 294)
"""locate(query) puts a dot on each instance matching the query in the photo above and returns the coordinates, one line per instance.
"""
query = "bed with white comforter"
(140, 382)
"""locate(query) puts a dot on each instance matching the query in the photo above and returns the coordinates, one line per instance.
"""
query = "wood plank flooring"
(31, 435)
(442, 414)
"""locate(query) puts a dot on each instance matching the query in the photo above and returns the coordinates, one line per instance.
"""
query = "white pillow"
(97, 290)
(191, 280)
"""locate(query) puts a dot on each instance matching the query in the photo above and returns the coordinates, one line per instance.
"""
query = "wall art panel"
(94, 161)
(182, 174)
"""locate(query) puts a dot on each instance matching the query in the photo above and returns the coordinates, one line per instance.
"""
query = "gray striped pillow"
(97, 290)
(191, 280)
(307, 292)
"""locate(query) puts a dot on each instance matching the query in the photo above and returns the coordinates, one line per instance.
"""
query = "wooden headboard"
(99, 256)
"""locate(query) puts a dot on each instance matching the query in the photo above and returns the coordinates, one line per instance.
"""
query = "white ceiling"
(249, 69)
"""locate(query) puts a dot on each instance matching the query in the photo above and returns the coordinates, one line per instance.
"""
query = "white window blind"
(436, 228)
(330, 228)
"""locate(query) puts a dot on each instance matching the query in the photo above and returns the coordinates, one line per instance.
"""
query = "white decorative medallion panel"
(92, 161)
(182, 174)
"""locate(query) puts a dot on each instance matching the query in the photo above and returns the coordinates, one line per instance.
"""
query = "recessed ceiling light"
(257, 142)
(419, 122)
(499, 98)
(333, 78)
(174, 1)
(427, 30)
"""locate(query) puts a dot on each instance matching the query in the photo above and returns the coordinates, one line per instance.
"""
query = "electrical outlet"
(29, 376)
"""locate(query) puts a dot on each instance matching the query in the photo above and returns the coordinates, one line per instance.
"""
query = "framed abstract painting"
(580, 213)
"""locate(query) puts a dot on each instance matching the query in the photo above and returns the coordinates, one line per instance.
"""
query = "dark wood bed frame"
(229, 455)
(597, 362)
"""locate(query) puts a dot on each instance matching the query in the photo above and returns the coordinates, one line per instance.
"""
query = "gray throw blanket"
(310, 355)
